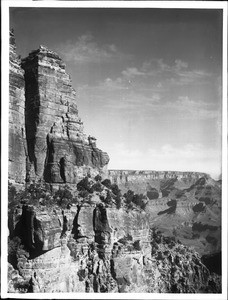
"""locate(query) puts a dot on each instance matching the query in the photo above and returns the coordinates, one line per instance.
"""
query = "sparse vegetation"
(107, 183)
(134, 199)
(98, 178)
(136, 245)
(39, 194)
(125, 239)
(85, 185)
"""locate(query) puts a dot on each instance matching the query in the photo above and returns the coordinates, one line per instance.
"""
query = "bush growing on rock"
(35, 193)
(107, 183)
(108, 198)
(118, 201)
(83, 194)
(84, 184)
(63, 197)
(136, 245)
(98, 178)
(96, 187)
(132, 198)
(129, 197)
(125, 239)
(115, 189)
(40, 194)
(138, 200)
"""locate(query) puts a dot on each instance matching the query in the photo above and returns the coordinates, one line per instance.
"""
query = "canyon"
(74, 225)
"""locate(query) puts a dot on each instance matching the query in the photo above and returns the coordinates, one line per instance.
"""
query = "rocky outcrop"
(114, 251)
(17, 140)
(180, 269)
(46, 137)
(87, 255)
(58, 149)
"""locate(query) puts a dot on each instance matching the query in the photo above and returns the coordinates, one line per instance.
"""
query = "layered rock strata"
(45, 127)
(126, 176)
(58, 149)
(17, 139)
(108, 251)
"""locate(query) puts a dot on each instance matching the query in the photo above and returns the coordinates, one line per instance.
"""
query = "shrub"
(98, 178)
(83, 194)
(96, 187)
(108, 199)
(30, 194)
(39, 193)
(84, 185)
(129, 196)
(138, 200)
(63, 197)
(118, 201)
(136, 245)
(125, 239)
(107, 183)
(115, 189)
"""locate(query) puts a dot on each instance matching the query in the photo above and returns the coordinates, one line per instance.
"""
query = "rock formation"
(115, 252)
(46, 122)
(139, 181)
(71, 233)
(17, 139)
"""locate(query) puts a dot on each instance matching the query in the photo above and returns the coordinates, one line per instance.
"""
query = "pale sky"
(148, 81)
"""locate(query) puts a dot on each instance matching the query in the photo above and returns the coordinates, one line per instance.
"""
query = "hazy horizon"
(148, 81)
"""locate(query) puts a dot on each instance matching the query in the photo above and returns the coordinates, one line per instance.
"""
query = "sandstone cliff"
(17, 139)
(88, 244)
(44, 119)
(114, 252)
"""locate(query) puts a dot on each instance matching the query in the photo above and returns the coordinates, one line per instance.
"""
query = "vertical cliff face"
(17, 142)
(58, 149)
(44, 120)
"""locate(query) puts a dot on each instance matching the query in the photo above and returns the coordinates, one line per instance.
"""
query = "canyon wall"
(17, 139)
(124, 176)
(44, 120)
(141, 181)
(101, 249)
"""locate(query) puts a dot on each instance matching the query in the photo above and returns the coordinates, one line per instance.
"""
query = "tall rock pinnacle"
(58, 149)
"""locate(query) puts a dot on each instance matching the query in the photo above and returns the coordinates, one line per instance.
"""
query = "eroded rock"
(17, 139)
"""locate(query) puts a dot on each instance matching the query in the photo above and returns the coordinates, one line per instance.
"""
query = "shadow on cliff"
(171, 209)
(30, 231)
